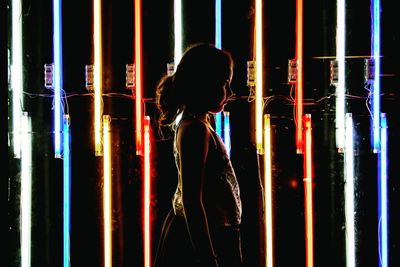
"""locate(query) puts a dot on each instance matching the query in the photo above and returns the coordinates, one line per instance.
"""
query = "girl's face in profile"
(221, 92)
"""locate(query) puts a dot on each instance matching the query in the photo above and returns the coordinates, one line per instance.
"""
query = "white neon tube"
(349, 193)
(17, 77)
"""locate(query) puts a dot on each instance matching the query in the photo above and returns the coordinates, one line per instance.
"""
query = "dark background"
(237, 37)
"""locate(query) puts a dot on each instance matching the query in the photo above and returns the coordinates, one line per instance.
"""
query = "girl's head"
(201, 83)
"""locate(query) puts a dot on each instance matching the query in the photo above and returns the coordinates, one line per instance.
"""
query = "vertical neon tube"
(26, 190)
(97, 79)
(308, 192)
(66, 193)
(218, 44)
(107, 194)
(17, 75)
(299, 81)
(349, 192)
(341, 85)
(58, 79)
(269, 257)
(383, 205)
(147, 193)
(259, 74)
(178, 31)
(139, 81)
(376, 48)
(227, 132)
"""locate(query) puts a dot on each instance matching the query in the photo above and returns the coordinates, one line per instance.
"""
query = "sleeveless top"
(221, 193)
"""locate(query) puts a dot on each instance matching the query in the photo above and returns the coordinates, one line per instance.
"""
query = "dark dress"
(221, 198)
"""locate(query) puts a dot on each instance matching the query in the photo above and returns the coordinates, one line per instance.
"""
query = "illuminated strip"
(299, 80)
(383, 197)
(17, 77)
(227, 132)
(26, 191)
(218, 44)
(341, 85)
(376, 47)
(147, 193)
(308, 194)
(139, 81)
(67, 193)
(178, 31)
(58, 79)
(349, 193)
(97, 80)
(269, 257)
(107, 194)
(259, 75)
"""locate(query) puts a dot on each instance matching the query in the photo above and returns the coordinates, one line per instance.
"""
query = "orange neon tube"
(147, 194)
(299, 80)
(308, 192)
(107, 193)
(138, 73)
(259, 74)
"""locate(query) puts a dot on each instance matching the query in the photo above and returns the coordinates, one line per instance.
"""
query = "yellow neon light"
(107, 194)
(139, 82)
(269, 257)
(259, 74)
(97, 80)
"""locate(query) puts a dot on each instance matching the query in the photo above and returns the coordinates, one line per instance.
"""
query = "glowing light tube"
(383, 205)
(299, 81)
(178, 31)
(218, 44)
(107, 193)
(341, 84)
(66, 193)
(58, 79)
(227, 132)
(349, 192)
(97, 78)
(269, 238)
(147, 193)
(259, 74)
(17, 77)
(26, 190)
(376, 48)
(308, 191)
(139, 80)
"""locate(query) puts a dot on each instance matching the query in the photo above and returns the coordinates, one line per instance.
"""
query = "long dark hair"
(199, 64)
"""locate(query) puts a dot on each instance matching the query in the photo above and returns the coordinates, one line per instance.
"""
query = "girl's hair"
(201, 64)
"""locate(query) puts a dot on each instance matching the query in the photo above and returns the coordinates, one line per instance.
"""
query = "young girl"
(202, 228)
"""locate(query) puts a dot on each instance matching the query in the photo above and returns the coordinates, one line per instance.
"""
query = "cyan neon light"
(349, 192)
(26, 190)
(341, 84)
(17, 77)
(218, 44)
(227, 132)
(67, 193)
(177, 31)
(376, 48)
(383, 216)
(58, 79)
